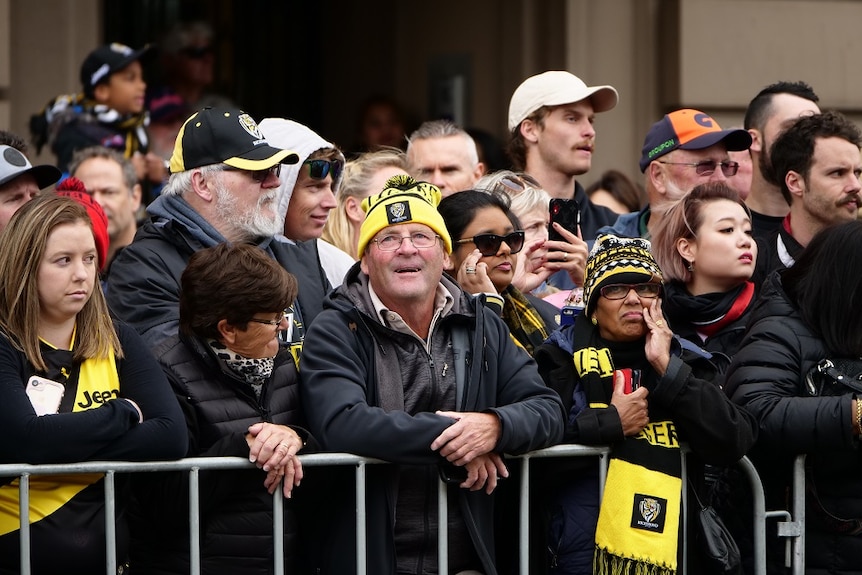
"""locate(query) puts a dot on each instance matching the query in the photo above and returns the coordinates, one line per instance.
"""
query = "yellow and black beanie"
(617, 260)
(403, 201)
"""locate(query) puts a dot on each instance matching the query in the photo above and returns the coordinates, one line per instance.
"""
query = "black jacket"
(342, 387)
(766, 377)
(143, 288)
(235, 509)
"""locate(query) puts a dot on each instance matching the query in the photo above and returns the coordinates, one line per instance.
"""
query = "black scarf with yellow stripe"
(638, 527)
(527, 326)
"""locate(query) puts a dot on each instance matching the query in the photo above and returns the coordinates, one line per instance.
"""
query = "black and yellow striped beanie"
(612, 256)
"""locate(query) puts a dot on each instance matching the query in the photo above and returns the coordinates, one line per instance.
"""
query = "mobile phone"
(632, 379)
(452, 474)
(45, 395)
(567, 213)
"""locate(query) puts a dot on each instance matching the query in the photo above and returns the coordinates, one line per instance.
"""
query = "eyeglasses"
(419, 241)
(489, 244)
(707, 167)
(259, 176)
(272, 322)
(518, 183)
(621, 291)
(319, 169)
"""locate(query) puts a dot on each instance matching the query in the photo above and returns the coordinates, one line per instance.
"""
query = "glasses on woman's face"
(319, 169)
(621, 291)
(259, 176)
(489, 244)
(272, 322)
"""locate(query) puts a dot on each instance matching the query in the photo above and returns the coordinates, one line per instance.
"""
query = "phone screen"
(567, 213)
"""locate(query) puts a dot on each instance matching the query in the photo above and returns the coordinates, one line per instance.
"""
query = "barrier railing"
(790, 528)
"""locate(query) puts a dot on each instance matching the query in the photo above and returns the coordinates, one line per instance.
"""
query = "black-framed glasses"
(319, 169)
(272, 322)
(707, 167)
(419, 240)
(489, 244)
(518, 183)
(258, 176)
(621, 291)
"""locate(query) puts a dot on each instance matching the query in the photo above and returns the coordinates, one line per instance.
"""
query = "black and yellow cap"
(225, 136)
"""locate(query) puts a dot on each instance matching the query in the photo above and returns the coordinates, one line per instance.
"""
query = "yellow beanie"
(402, 201)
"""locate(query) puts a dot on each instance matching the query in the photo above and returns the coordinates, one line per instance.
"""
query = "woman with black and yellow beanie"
(628, 381)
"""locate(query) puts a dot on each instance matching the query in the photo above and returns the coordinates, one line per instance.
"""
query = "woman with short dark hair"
(237, 384)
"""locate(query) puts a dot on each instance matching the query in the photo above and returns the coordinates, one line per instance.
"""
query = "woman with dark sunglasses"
(487, 236)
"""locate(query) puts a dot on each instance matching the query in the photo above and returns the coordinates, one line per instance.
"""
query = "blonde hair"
(530, 198)
(19, 293)
(355, 183)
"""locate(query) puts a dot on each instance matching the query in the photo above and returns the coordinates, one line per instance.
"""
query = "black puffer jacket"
(767, 378)
(236, 510)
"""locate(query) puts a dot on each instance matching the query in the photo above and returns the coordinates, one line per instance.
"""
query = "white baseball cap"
(555, 88)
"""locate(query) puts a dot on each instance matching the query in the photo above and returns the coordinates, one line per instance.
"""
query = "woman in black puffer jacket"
(807, 313)
(237, 385)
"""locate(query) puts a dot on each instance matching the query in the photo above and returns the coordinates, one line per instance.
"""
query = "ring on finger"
(470, 270)
(660, 322)
(565, 256)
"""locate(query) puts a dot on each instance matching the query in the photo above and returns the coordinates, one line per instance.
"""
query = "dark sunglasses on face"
(707, 167)
(621, 291)
(319, 169)
(259, 176)
(489, 244)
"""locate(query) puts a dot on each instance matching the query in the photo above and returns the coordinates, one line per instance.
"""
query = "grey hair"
(181, 182)
(433, 129)
(130, 178)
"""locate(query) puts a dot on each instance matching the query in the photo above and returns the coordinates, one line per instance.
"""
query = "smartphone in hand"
(45, 395)
(567, 213)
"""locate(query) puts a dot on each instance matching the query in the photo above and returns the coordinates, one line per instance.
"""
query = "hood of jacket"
(291, 135)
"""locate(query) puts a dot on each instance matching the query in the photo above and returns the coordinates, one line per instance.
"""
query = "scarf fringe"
(606, 563)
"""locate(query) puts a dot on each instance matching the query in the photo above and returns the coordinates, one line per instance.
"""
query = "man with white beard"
(683, 149)
(224, 178)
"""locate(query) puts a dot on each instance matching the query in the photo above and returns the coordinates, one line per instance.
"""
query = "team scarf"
(48, 493)
(638, 526)
(527, 326)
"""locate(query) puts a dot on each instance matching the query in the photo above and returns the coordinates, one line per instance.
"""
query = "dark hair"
(13, 141)
(231, 282)
(459, 210)
(826, 286)
(516, 149)
(794, 148)
(760, 108)
(617, 184)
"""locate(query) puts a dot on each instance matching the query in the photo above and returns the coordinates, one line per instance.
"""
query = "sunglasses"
(272, 322)
(621, 291)
(519, 183)
(259, 176)
(319, 169)
(707, 167)
(489, 244)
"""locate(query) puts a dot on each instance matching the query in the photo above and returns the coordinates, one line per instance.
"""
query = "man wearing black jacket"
(224, 178)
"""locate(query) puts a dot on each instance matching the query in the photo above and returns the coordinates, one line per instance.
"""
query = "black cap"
(228, 136)
(104, 61)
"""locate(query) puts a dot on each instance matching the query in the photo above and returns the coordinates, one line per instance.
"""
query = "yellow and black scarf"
(527, 326)
(97, 377)
(639, 517)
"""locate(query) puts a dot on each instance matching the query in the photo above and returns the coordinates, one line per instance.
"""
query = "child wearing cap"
(110, 111)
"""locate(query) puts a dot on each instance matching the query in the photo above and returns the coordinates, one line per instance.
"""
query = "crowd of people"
(282, 296)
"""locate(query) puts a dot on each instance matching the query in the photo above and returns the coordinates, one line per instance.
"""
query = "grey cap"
(13, 164)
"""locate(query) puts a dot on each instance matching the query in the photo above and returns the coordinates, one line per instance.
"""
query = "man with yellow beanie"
(405, 366)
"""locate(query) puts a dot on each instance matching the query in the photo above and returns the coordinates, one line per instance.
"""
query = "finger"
(502, 470)
(481, 479)
(446, 436)
(472, 477)
(619, 382)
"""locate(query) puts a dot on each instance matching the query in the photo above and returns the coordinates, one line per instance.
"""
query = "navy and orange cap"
(689, 130)
(225, 136)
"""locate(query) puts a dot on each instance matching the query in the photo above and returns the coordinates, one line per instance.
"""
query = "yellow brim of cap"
(281, 157)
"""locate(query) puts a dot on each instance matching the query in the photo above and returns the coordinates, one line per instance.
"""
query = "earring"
(594, 320)
(690, 266)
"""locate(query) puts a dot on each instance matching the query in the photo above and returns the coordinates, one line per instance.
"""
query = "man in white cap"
(20, 181)
(553, 139)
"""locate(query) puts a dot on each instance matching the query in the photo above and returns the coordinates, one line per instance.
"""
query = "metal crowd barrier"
(792, 528)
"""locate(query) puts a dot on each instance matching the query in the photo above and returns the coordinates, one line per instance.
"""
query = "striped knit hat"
(613, 256)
